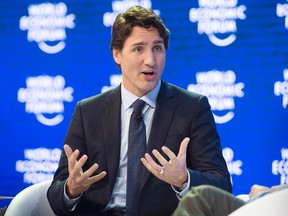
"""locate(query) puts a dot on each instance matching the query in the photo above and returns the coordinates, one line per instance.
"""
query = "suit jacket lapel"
(163, 116)
(111, 121)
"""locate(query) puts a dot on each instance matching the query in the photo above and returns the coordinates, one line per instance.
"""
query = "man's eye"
(137, 49)
(158, 48)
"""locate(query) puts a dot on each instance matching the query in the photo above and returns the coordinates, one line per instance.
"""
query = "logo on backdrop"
(45, 96)
(282, 11)
(121, 6)
(220, 88)
(115, 80)
(217, 19)
(46, 25)
(281, 88)
(234, 167)
(39, 165)
(280, 167)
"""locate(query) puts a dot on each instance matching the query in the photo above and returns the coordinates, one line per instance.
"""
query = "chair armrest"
(244, 197)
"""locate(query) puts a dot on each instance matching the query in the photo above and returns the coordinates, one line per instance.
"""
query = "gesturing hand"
(173, 171)
(79, 181)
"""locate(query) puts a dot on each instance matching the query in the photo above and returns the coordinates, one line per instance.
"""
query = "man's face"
(142, 60)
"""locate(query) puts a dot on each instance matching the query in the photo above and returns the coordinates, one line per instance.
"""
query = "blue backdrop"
(54, 53)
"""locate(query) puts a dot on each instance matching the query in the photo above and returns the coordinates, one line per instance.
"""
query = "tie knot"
(137, 108)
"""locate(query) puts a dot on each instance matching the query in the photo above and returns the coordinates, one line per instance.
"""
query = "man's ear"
(116, 56)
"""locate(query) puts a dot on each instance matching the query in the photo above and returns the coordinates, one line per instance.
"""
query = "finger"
(72, 156)
(98, 177)
(148, 165)
(183, 148)
(169, 153)
(150, 160)
(79, 164)
(68, 150)
(88, 173)
(159, 157)
(145, 163)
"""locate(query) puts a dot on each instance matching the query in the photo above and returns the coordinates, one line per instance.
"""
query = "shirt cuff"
(71, 203)
(181, 193)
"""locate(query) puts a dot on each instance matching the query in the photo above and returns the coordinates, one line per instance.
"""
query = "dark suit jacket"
(95, 130)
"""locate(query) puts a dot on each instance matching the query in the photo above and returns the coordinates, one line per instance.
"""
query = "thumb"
(183, 147)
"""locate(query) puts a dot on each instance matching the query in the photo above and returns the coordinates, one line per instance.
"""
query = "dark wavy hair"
(136, 16)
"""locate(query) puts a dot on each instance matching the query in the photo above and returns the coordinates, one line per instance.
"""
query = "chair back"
(31, 201)
(269, 205)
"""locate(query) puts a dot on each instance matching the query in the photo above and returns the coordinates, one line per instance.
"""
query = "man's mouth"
(149, 73)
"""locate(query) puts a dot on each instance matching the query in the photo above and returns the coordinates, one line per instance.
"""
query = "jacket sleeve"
(205, 161)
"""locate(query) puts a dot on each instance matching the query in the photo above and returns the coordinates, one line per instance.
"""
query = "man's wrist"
(183, 186)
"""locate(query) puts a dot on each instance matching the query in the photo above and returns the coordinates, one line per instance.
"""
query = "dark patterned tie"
(136, 150)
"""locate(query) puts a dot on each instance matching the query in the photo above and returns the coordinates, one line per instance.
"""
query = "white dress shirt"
(118, 199)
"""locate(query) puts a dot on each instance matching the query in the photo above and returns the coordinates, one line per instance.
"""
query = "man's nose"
(150, 58)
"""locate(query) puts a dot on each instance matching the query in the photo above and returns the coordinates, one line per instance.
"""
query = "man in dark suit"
(183, 147)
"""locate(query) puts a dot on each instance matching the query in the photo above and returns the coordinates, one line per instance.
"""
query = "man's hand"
(79, 181)
(174, 171)
(255, 189)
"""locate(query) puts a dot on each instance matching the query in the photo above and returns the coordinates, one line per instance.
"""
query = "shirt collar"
(128, 98)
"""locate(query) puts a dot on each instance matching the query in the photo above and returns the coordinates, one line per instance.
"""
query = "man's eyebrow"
(158, 42)
(139, 44)
(143, 43)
